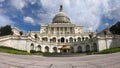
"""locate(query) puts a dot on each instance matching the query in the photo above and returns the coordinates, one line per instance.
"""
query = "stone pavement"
(89, 61)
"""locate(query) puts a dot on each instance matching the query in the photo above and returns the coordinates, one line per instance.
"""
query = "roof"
(62, 25)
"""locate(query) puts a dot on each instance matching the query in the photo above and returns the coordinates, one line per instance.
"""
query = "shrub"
(32, 51)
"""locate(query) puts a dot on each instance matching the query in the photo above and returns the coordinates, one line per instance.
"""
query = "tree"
(115, 29)
(6, 30)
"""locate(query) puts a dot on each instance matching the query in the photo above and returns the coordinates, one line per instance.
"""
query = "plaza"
(33, 61)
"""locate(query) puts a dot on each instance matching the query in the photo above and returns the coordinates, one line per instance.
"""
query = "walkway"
(91, 61)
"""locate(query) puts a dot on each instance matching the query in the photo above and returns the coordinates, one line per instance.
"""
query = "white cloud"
(18, 4)
(5, 20)
(85, 12)
(113, 9)
(2, 0)
(29, 20)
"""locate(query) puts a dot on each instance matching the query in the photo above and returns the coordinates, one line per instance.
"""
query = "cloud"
(112, 9)
(85, 12)
(29, 20)
(2, 1)
(18, 4)
(5, 20)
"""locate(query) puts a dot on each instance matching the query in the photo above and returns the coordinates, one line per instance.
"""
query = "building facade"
(61, 36)
(61, 32)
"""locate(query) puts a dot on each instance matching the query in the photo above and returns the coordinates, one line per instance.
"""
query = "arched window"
(54, 39)
(86, 38)
(39, 48)
(55, 49)
(46, 39)
(71, 40)
(79, 39)
(62, 40)
(32, 46)
(95, 48)
(79, 49)
(46, 49)
(87, 48)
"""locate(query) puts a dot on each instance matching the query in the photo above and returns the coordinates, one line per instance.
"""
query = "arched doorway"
(95, 48)
(32, 46)
(39, 48)
(46, 49)
(62, 40)
(71, 39)
(87, 48)
(55, 49)
(79, 49)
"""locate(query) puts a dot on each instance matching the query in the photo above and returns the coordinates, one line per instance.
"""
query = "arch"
(87, 48)
(54, 39)
(79, 49)
(55, 49)
(32, 46)
(71, 39)
(44, 39)
(62, 40)
(86, 38)
(95, 47)
(39, 48)
(72, 49)
(79, 39)
(46, 49)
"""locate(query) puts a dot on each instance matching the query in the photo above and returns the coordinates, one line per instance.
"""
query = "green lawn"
(15, 51)
(107, 51)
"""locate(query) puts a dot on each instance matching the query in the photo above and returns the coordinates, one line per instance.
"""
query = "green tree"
(115, 29)
(6, 30)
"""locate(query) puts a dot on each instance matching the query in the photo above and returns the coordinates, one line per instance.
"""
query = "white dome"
(61, 17)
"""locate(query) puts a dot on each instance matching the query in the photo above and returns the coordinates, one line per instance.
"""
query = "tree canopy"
(6, 30)
(115, 29)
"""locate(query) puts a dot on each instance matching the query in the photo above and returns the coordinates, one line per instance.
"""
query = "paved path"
(91, 61)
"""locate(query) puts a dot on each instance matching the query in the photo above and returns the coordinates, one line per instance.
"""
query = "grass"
(13, 51)
(107, 51)
(16, 51)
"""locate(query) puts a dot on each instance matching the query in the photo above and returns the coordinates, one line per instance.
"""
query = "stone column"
(64, 30)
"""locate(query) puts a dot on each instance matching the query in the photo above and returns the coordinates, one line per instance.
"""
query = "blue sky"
(27, 15)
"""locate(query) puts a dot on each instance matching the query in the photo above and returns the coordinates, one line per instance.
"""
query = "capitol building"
(61, 36)
(61, 32)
